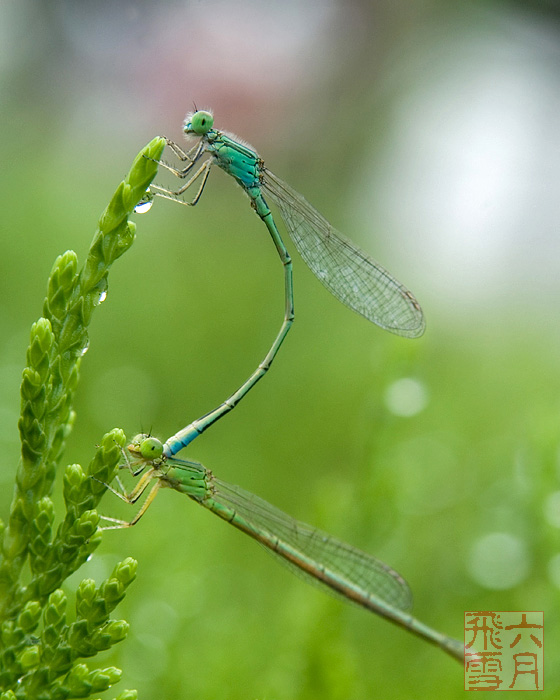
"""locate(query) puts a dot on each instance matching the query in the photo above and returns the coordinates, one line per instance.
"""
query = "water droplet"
(84, 349)
(101, 292)
(145, 204)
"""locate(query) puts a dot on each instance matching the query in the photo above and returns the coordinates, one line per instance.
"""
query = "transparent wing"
(348, 563)
(346, 271)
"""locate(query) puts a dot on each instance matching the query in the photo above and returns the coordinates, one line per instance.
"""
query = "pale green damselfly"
(342, 569)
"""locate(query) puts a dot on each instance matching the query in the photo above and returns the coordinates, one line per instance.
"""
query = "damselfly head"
(146, 447)
(199, 122)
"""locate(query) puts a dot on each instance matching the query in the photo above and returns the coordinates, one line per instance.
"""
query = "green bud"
(87, 524)
(55, 610)
(104, 678)
(31, 384)
(79, 672)
(30, 657)
(44, 516)
(111, 633)
(126, 695)
(77, 683)
(41, 340)
(29, 616)
(144, 168)
(67, 269)
(9, 695)
(38, 360)
(112, 591)
(125, 571)
(62, 282)
(117, 629)
(74, 477)
(85, 595)
(105, 462)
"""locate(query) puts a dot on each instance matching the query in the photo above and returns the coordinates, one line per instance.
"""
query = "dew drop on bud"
(145, 204)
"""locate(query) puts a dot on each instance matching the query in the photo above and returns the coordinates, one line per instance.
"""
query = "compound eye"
(200, 123)
(151, 448)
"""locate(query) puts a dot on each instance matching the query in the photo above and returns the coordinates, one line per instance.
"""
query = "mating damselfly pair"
(361, 284)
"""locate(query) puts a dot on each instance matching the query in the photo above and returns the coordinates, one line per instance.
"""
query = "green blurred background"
(428, 133)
